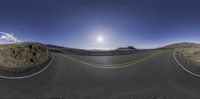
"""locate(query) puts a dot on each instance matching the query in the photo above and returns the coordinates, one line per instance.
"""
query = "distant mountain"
(181, 45)
(54, 46)
(126, 48)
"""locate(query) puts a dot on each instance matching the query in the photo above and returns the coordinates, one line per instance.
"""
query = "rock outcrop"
(22, 55)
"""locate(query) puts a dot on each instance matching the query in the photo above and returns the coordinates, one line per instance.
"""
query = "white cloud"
(8, 37)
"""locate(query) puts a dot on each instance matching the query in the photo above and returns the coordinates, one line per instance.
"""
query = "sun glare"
(100, 39)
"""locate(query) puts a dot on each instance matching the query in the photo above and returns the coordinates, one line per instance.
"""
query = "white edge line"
(22, 77)
(188, 71)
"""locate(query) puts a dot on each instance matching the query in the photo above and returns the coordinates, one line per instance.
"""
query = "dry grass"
(192, 54)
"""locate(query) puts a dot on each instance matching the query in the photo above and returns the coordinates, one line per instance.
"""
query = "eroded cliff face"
(22, 55)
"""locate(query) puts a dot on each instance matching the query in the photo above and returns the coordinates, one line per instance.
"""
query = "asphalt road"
(158, 77)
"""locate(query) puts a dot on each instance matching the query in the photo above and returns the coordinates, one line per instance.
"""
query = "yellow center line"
(112, 65)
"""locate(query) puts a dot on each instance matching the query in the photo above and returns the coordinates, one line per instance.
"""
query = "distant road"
(156, 77)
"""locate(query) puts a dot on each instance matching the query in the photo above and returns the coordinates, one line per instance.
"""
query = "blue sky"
(78, 23)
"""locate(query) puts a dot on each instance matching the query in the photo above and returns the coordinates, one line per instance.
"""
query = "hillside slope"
(22, 55)
(182, 45)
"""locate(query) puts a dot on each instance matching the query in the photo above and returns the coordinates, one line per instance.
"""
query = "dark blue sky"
(78, 23)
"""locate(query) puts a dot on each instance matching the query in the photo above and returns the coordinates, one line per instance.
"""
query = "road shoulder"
(31, 73)
(186, 67)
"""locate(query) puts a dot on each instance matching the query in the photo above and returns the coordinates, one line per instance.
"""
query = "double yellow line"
(111, 66)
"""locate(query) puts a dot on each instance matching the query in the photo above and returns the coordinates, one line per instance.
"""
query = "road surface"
(156, 77)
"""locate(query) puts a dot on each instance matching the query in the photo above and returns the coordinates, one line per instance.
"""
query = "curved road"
(158, 77)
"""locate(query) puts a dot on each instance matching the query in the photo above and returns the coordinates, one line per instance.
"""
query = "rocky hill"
(22, 55)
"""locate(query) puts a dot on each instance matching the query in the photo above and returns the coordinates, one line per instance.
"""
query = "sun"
(100, 39)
